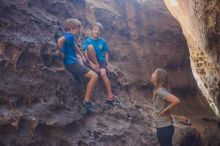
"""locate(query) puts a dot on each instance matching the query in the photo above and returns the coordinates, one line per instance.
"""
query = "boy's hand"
(83, 59)
(96, 67)
(57, 52)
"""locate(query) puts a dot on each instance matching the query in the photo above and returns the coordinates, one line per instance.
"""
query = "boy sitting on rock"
(97, 55)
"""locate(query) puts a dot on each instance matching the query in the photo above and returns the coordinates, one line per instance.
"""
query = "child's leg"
(106, 82)
(93, 77)
(92, 55)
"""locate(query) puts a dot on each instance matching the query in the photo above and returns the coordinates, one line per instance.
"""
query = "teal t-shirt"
(69, 49)
(100, 45)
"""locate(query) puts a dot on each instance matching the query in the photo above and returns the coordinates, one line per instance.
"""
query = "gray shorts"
(78, 70)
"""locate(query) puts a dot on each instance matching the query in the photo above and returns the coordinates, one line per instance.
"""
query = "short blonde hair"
(72, 23)
(99, 25)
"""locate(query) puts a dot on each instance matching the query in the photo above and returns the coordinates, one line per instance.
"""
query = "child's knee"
(92, 75)
(95, 76)
(103, 74)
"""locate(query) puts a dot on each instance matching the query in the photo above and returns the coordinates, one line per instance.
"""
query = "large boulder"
(200, 23)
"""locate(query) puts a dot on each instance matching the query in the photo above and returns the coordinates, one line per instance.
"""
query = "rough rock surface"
(40, 101)
(200, 22)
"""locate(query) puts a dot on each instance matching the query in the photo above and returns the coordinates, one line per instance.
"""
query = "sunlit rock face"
(200, 23)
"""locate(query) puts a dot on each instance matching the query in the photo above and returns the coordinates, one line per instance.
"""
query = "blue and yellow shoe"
(89, 108)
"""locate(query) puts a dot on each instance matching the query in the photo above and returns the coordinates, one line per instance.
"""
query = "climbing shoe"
(110, 101)
(89, 108)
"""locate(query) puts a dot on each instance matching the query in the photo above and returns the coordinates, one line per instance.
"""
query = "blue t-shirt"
(100, 45)
(69, 49)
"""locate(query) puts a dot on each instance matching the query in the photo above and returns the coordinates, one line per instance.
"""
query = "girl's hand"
(164, 116)
(162, 113)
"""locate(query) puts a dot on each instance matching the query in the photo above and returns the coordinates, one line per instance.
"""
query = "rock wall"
(200, 23)
(40, 100)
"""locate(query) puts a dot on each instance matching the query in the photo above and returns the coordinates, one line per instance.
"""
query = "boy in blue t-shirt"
(67, 44)
(97, 54)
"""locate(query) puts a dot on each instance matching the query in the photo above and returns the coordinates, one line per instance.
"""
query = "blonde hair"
(99, 25)
(72, 23)
(162, 79)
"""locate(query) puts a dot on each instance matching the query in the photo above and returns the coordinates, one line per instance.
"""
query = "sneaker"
(89, 108)
(110, 101)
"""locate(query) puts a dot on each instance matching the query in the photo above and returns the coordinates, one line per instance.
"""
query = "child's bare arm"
(91, 63)
(173, 101)
(107, 57)
(182, 119)
(80, 52)
(107, 60)
(60, 42)
(88, 59)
